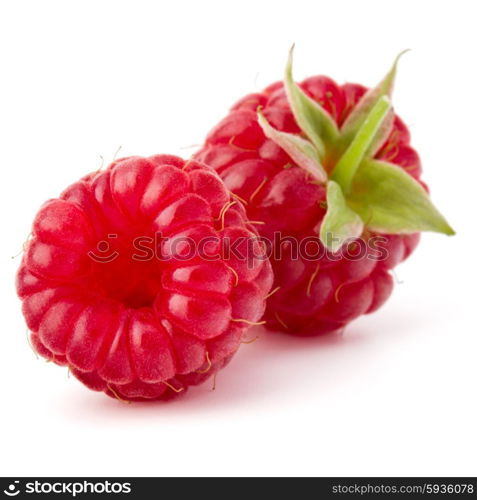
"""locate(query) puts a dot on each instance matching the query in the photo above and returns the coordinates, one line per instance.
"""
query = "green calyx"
(362, 192)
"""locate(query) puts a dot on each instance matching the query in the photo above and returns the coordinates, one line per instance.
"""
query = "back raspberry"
(320, 292)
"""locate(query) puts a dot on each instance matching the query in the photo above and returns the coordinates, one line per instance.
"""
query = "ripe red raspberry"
(137, 316)
(287, 191)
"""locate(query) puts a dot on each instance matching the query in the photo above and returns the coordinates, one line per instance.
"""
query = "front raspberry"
(328, 174)
(128, 279)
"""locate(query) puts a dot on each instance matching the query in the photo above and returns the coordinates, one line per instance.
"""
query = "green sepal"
(340, 223)
(313, 119)
(382, 134)
(300, 150)
(391, 201)
(356, 118)
(362, 143)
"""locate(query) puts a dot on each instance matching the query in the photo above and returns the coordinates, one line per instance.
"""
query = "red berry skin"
(141, 326)
(316, 295)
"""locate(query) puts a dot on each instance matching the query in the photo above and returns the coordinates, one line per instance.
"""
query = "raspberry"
(279, 150)
(137, 316)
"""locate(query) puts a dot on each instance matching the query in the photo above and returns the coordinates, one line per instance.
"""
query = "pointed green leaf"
(391, 201)
(300, 150)
(349, 162)
(314, 121)
(362, 109)
(382, 134)
(340, 223)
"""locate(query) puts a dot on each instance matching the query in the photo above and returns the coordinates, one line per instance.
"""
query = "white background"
(396, 395)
